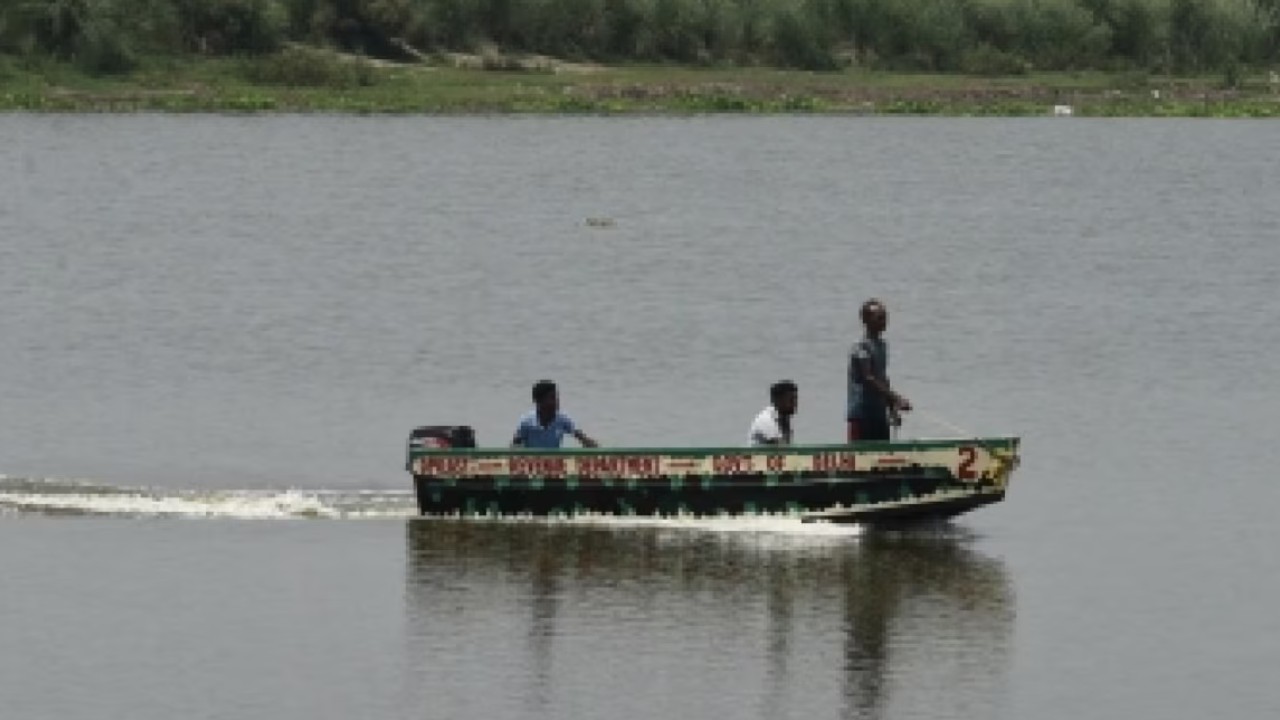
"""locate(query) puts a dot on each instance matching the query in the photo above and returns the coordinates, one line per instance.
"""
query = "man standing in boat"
(872, 405)
(544, 427)
(773, 425)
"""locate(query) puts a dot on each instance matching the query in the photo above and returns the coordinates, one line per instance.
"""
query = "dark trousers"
(875, 427)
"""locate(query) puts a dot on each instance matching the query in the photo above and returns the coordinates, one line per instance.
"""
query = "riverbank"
(464, 85)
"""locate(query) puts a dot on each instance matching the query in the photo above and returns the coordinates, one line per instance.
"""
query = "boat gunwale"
(1002, 443)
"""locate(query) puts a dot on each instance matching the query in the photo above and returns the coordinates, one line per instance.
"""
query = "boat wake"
(55, 497)
(71, 497)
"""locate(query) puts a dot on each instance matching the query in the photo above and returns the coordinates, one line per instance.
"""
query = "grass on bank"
(301, 79)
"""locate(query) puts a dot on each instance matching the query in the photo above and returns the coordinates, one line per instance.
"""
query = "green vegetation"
(283, 83)
(978, 36)
(922, 56)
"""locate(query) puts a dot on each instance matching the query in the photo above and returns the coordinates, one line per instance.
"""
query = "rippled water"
(238, 319)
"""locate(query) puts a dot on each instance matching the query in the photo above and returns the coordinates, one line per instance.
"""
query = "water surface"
(236, 318)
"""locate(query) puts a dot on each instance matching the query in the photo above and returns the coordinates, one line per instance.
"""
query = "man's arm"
(896, 401)
(586, 441)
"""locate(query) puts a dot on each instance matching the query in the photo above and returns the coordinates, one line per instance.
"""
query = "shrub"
(231, 26)
(986, 60)
(103, 48)
(374, 27)
(308, 68)
(801, 42)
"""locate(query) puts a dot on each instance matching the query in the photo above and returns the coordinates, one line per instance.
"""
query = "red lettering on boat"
(534, 466)
(595, 466)
(731, 464)
(442, 465)
(645, 465)
(835, 462)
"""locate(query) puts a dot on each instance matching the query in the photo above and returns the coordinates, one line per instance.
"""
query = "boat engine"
(439, 437)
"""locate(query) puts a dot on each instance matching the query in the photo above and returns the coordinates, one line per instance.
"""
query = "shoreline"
(358, 87)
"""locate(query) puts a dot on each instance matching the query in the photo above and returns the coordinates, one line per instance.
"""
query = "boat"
(873, 483)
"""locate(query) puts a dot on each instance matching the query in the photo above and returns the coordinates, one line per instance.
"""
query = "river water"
(215, 333)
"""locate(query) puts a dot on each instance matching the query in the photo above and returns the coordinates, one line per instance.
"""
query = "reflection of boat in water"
(869, 482)
(784, 620)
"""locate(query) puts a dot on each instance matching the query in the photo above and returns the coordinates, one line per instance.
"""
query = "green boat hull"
(870, 483)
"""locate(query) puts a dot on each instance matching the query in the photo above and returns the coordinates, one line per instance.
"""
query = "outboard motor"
(438, 437)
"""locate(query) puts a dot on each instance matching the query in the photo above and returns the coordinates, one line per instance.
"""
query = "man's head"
(545, 397)
(875, 317)
(785, 396)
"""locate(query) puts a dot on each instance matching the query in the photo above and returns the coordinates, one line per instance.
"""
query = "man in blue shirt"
(545, 426)
(872, 406)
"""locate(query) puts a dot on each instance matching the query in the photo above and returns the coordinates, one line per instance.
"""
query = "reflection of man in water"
(544, 605)
(966, 614)
(871, 602)
(899, 628)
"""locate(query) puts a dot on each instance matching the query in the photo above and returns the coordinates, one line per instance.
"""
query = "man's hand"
(900, 403)
(586, 441)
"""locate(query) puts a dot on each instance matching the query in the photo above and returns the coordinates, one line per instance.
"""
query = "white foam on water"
(80, 497)
(63, 498)
(777, 528)
(761, 532)
(75, 497)
(761, 524)
(229, 505)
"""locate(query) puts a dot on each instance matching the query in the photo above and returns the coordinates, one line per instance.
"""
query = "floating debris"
(600, 222)
(1063, 110)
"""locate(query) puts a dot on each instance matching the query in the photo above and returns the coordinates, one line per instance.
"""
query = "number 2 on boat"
(968, 456)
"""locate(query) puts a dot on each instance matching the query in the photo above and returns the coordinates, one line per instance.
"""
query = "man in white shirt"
(773, 425)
